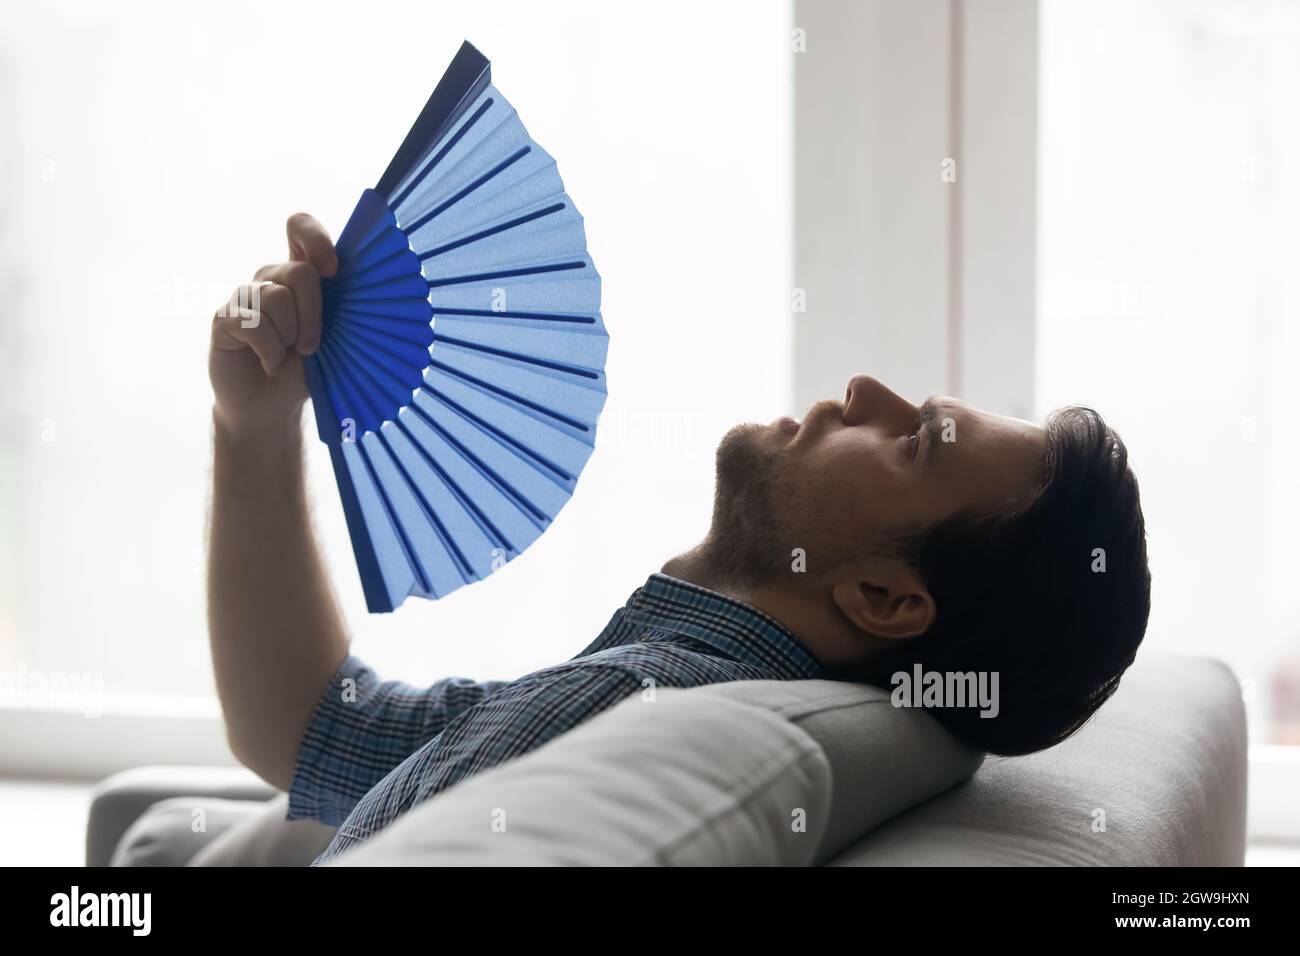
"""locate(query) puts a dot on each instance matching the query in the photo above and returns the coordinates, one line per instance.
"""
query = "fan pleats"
(461, 369)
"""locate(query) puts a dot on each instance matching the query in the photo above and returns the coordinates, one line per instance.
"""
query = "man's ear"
(886, 598)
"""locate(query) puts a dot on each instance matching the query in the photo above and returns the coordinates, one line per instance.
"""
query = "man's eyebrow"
(932, 423)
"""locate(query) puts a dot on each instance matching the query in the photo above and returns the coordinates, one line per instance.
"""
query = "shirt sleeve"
(364, 727)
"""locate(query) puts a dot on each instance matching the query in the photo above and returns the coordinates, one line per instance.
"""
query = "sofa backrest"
(1156, 778)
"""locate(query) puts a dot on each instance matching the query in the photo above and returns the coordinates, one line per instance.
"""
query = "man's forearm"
(276, 633)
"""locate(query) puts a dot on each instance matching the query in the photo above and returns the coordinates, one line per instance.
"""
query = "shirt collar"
(737, 630)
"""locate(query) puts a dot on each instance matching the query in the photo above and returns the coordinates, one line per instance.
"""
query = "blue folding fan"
(461, 366)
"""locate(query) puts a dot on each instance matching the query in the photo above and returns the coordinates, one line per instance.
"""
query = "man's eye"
(913, 441)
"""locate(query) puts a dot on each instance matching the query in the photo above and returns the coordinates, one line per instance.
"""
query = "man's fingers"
(231, 332)
(278, 306)
(266, 301)
(281, 310)
(303, 281)
(247, 322)
(310, 242)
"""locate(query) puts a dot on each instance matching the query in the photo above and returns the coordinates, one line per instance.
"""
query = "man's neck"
(812, 618)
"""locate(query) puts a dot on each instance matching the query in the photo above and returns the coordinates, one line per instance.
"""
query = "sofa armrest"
(118, 801)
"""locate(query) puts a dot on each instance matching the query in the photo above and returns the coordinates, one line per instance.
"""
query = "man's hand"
(260, 336)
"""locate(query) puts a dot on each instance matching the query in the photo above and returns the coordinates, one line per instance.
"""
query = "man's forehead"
(945, 406)
(996, 456)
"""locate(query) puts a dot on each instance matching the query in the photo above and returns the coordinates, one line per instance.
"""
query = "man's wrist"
(257, 457)
(260, 431)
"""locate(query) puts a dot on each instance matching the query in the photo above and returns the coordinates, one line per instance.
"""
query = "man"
(871, 540)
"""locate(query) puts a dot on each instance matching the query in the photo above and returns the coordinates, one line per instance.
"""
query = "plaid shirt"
(374, 749)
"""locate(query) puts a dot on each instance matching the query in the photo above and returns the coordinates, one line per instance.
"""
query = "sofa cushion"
(728, 774)
(679, 780)
(264, 837)
(120, 800)
(172, 831)
(884, 759)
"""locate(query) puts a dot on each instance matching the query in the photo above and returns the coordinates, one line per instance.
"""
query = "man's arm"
(276, 633)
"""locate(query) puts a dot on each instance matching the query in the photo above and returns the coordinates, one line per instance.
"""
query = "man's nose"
(867, 399)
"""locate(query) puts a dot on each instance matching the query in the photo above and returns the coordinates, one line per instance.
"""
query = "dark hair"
(1027, 594)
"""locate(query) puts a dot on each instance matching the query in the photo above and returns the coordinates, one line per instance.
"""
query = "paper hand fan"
(461, 366)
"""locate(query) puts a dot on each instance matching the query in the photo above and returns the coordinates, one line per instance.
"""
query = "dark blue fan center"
(377, 323)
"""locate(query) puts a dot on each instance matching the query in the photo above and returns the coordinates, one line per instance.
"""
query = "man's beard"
(766, 529)
(747, 545)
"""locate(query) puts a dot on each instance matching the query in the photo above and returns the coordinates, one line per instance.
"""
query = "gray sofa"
(768, 773)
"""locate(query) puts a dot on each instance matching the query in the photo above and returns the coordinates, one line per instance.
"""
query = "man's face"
(853, 472)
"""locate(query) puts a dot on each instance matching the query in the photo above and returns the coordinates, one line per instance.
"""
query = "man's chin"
(744, 454)
(740, 440)
(753, 438)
